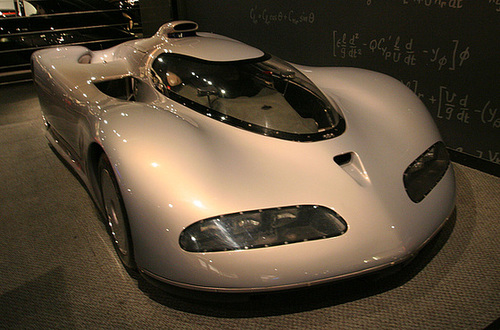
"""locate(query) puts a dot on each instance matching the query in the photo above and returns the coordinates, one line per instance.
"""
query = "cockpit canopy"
(265, 95)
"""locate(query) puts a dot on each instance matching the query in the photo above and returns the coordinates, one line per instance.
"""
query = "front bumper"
(386, 268)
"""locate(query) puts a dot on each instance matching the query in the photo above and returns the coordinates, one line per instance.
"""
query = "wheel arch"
(94, 153)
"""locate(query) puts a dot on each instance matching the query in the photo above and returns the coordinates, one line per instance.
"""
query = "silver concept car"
(222, 168)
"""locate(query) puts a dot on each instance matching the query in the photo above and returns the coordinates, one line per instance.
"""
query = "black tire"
(115, 213)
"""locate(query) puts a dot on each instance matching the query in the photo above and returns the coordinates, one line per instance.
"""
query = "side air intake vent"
(352, 165)
(178, 29)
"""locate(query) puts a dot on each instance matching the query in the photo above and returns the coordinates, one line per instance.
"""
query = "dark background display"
(446, 51)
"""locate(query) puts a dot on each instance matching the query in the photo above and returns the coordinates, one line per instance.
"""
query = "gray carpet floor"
(58, 268)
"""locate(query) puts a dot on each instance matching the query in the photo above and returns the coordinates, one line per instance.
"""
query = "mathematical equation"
(457, 4)
(453, 106)
(489, 155)
(399, 50)
(496, 3)
(454, 4)
(291, 16)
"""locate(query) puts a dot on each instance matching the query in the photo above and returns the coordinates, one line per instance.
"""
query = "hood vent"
(178, 29)
(352, 165)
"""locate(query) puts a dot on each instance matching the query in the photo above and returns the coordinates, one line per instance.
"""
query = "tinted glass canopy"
(266, 95)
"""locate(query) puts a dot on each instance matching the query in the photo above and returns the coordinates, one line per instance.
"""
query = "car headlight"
(425, 172)
(262, 228)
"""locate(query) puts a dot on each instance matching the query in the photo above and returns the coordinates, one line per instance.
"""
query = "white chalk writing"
(496, 3)
(401, 50)
(455, 4)
(452, 106)
(290, 16)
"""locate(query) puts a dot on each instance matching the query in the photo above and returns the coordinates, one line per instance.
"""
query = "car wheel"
(115, 213)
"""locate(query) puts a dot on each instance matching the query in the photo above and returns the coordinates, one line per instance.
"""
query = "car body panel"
(176, 166)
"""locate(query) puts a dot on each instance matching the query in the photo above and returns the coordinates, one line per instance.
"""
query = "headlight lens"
(425, 172)
(262, 228)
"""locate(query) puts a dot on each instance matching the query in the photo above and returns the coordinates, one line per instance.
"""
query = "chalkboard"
(446, 51)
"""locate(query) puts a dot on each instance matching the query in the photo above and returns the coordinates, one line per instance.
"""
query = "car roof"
(204, 46)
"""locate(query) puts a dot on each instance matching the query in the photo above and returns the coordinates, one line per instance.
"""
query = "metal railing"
(27, 30)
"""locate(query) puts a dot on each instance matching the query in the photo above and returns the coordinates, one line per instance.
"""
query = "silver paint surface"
(176, 166)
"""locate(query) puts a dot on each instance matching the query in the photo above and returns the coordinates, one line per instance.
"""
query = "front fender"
(376, 105)
(150, 149)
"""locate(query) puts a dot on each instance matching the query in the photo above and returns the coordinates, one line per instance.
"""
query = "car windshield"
(267, 95)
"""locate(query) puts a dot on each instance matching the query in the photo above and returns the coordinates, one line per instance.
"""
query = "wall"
(154, 13)
(446, 51)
